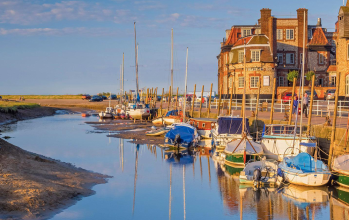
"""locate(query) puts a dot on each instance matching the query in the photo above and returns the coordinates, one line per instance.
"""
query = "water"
(145, 176)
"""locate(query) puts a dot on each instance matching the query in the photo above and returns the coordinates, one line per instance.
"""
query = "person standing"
(305, 103)
(295, 106)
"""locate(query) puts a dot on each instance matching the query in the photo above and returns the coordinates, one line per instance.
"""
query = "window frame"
(282, 58)
(259, 56)
(243, 55)
(252, 80)
(292, 63)
(283, 81)
(280, 32)
(243, 81)
(288, 34)
(333, 81)
(321, 59)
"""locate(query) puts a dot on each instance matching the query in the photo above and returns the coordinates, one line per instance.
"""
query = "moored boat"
(304, 170)
(340, 167)
(108, 113)
(139, 111)
(203, 126)
(182, 135)
(157, 132)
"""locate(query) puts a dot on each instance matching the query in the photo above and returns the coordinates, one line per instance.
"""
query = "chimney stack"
(319, 22)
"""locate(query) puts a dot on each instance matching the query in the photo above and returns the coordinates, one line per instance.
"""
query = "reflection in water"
(160, 183)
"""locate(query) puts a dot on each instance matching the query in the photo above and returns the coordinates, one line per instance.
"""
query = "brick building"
(281, 53)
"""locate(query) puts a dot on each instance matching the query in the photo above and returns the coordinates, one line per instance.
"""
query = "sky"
(70, 47)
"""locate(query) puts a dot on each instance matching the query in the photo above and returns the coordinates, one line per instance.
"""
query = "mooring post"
(202, 98)
(311, 104)
(209, 102)
(162, 97)
(156, 96)
(231, 97)
(272, 102)
(333, 135)
(219, 103)
(147, 98)
(193, 99)
(169, 99)
(177, 99)
(257, 105)
(292, 98)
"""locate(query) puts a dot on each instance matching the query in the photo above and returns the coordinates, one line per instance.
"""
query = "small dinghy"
(157, 132)
(107, 114)
(182, 135)
(262, 173)
(85, 115)
(304, 170)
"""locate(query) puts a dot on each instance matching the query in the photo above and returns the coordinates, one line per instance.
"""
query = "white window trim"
(243, 81)
(281, 34)
(246, 30)
(259, 55)
(255, 86)
(243, 54)
(288, 37)
(321, 59)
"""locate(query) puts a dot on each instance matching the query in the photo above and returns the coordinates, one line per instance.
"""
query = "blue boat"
(182, 135)
(304, 170)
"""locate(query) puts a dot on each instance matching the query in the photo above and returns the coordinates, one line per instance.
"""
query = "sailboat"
(138, 110)
(108, 111)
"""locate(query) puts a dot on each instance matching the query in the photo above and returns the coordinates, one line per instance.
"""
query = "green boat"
(340, 168)
(239, 152)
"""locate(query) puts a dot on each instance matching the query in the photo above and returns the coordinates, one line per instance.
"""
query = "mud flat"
(36, 187)
(127, 129)
(23, 114)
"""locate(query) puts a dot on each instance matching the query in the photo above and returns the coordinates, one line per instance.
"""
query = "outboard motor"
(257, 175)
(177, 140)
(280, 174)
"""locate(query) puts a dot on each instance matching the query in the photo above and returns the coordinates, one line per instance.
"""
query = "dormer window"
(246, 32)
(255, 55)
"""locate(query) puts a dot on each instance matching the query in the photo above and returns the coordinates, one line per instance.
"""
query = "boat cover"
(230, 125)
(308, 144)
(341, 162)
(173, 112)
(187, 133)
(244, 145)
(305, 163)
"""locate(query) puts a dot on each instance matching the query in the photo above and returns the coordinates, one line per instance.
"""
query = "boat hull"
(237, 160)
(309, 179)
(171, 120)
(205, 134)
(139, 113)
(341, 179)
(158, 121)
(105, 115)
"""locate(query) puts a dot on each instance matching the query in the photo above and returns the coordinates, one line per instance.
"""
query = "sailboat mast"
(302, 79)
(185, 89)
(122, 73)
(244, 96)
(172, 61)
(136, 60)
(121, 83)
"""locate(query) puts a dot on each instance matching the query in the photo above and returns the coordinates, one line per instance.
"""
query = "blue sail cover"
(173, 112)
(186, 134)
(229, 125)
(305, 163)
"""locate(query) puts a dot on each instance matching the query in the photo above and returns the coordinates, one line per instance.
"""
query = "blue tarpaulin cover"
(305, 163)
(308, 144)
(186, 133)
(229, 125)
(173, 112)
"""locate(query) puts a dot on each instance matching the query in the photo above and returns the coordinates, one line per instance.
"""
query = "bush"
(291, 75)
(309, 75)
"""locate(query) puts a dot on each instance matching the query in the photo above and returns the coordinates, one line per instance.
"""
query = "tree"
(291, 75)
(309, 75)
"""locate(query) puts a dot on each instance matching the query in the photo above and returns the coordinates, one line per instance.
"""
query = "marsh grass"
(12, 107)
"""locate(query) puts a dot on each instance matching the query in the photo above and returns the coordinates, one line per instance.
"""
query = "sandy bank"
(36, 187)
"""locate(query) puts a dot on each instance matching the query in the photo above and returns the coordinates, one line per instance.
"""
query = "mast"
(302, 79)
(136, 62)
(185, 89)
(244, 96)
(121, 83)
(171, 60)
(122, 73)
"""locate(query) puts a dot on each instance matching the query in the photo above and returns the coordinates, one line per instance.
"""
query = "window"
(301, 58)
(289, 34)
(255, 55)
(241, 56)
(281, 81)
(280, 34)
(258, 31)
(280, 58)
(246, 32)
(321, 82)
(241, 82)
(231, 55)
(321, 58)
(203, 125)
(347, 85)
(254, 81)
(333, 81)
(290, 58)
(310, 33)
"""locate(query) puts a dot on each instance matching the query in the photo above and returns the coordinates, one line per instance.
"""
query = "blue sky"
(71, 47)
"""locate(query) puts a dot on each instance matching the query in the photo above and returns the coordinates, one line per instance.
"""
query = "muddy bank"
(127, 129)
(23, 114)
(36, 187)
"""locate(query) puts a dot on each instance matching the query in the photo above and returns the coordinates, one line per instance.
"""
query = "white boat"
(304, 170)
(268, 170)
(279, 140)
(107, 114)
(158, 121)
(227, 129)
(139, 111)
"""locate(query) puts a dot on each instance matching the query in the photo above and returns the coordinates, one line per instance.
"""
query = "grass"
(16, 97)
(11, 107)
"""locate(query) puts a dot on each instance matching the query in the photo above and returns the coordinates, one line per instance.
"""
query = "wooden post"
(177, 99)
(219, 103)
(192, 107)
(272, 102)
(209, 102)
(151, 97)
(257, 105)
(162, 97)
(291, 104)
(333, 135)
(147, 98)
(169, 99)
(311, 104)
(156, 97)
(202, 94)
(231, 97)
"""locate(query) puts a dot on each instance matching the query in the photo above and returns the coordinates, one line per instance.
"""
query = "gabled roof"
(332, 68)
(319, 37)
(241, 41)
(254, 39)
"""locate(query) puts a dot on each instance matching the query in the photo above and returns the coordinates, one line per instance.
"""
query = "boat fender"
(280, 173)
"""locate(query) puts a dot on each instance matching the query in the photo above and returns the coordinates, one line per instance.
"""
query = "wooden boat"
(158, 121)
(227, 129)
(182, 135)
(107, 114)
(239, 152)
(279, 140)
(139, 111)
(304, 170)
(340, 167)
(157, 132)
(203, 126)
(268, 169)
